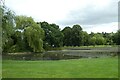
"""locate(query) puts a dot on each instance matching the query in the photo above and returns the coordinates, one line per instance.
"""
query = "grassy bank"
(78, 68)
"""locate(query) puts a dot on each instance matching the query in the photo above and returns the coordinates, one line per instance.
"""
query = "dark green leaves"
(53, 35)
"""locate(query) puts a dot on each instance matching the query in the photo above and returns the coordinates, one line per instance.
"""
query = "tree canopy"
(7, 27)
(116, 37)
(53, 35)
(31, 32)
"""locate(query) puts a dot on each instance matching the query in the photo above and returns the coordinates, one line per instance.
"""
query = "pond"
(69, 53)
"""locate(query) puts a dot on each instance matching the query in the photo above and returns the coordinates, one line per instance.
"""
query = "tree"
(34, 37)
(77, 35)
(100, 40)
(57, 35)
(86, 38)
(73, 36)
(1, 29)
(7, 28)
(93, 41)
(31, 34)
(67, 31)
(53, 35)
(97, 39)
(108, 38)
(116, 37)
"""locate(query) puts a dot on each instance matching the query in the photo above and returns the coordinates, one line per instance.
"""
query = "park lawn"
(77, 68)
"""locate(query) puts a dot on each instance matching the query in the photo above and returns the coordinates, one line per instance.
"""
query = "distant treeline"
(22, 33)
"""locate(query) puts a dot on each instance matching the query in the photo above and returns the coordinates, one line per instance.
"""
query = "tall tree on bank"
(116, 37)
(97, 39)
(53, 35)
(108, 37)
(31, 33)
(77, 35)
(67, 39)
(73, 36)
(7, 28)
(86, 39)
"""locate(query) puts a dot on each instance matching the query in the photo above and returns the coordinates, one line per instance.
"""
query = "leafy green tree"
(53, 35)
(31, 33)
(108, 37)
(7, 28)
(73, 36)
(100, 40)
(97, 39)
(67, 31)
(93, 41)
(1, 29)
(86, 38)
(57, 35)
(77, 35)
(116, 37)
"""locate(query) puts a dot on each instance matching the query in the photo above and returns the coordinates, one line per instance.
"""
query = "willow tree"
(7, 20)
(34, 35)
(31, 32)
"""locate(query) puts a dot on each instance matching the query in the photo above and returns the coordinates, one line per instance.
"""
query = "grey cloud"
(92, 16)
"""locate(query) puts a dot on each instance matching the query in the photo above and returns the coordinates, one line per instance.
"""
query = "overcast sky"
(92, 15)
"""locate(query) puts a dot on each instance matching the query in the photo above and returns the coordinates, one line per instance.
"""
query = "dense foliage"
(22, 33)
(31, 34)
(7, 28)
(116, 38)
(73, 36)
(53, 35)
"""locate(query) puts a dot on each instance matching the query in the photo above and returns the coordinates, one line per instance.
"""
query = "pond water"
(69, 53)
(87, 53)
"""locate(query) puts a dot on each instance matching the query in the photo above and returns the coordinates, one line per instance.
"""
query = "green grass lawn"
(81, 68)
